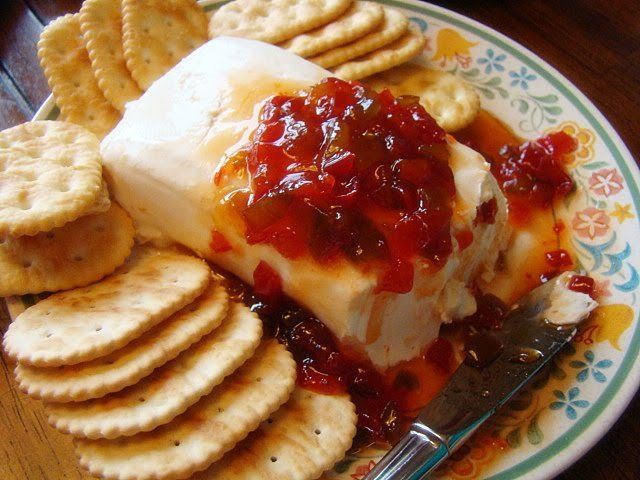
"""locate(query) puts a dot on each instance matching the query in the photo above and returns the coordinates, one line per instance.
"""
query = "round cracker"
(76, 254)
(67, 67)
(131, 363)
(157, 34)
(273, 21)
(394, 25)
(50, 174)
(453, 102)
(170, 390)
(89, 322)
(305, 437)
(400, 51)
(360, 19)
(203, 433)
(101, 25)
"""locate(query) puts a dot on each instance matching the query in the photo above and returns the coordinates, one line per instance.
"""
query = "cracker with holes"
(402, 50)
(274, 21)
(361, 18)
(203, 433)
(128, 365)
(74, 255)
(157, 34)
(453, 102)
(394, 26)
(101, 25)
(50, 174)
(67, 67)
(305, 437)
(168, 391)
(89, 322)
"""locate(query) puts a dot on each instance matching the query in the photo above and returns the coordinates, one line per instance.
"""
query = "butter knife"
(531, 335)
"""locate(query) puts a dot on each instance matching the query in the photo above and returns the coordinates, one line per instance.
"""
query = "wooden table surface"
(595, 43)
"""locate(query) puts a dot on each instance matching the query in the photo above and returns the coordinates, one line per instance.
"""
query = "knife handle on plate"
(418, 453)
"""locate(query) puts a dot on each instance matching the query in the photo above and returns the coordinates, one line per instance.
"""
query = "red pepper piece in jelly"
(219, 242)
(532, 174)
(582, 284)
(267, 282)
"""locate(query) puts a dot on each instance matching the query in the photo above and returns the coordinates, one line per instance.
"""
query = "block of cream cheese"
(162, 157)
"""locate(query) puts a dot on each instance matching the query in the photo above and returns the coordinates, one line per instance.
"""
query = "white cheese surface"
(161, 159)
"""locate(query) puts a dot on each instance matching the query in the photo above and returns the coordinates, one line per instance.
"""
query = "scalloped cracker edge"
(51, 174)
(396, 53)
(101, 25)
(157, 34)
(394, 25)
(304, 438)
(361, 19)
(130, 364)
(89, 322)
(67, 68)
(273, 21)
(203, 433)
(76, 254)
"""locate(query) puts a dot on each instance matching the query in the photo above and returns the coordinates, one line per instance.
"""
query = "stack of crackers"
(354, 39)
(106, 55)
(110, 52)
(158, 375)
(58, 228)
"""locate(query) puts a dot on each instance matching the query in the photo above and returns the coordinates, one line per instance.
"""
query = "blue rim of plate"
(624, 385)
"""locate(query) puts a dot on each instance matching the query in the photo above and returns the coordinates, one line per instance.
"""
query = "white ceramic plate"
(575, 402)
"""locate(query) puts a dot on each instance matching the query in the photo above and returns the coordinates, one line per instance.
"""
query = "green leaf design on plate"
(594, 165)
(513, 438)
(540, 110)
(487, 86)
(534, 434)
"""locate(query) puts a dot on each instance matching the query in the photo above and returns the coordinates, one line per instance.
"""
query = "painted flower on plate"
(606, 182)
(569, 402)
(492, 61)
(583, 136)
(591, 223)
(521, 78)
(589, 367)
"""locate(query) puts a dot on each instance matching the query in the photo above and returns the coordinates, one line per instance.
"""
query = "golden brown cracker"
(86, 323)
(50, 174)
(361, 18)
(157, 34)
(203, 433)
(101, 25)
(305, 437)
(273, 21)
(67, 67)
(170, 390)
(134, 361)
(74, 255)
(394, 26)
(402, 50)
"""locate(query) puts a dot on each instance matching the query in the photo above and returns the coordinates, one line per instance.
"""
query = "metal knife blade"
(473, 394)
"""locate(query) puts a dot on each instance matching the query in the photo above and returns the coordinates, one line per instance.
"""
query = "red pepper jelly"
(385, 401)
(582, 284)
(341, 172)
(532, 174)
